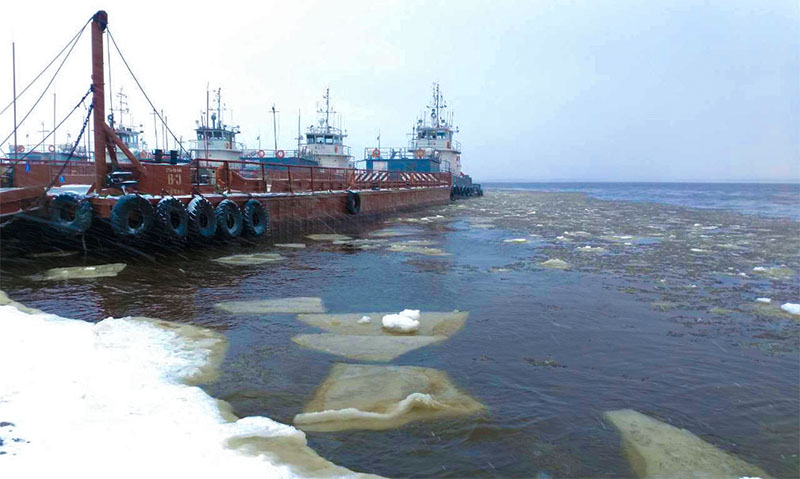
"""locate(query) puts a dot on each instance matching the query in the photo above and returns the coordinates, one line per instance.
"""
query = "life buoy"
(51, 148)
(256, 218)
(420, 153)
(70, 213)
(336, 149)
(280, 153)
(173, 218)
(261, 154)
(132, 216)
(229, 219)
(448, 144)
(376, 153)
(20, 148)
(353, 202)
(202, 221)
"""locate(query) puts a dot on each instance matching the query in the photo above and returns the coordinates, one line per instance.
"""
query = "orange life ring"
(376, 153)
(448, 144)
(336, 149)
(280, 153)
(420, 153)
(51, 148)
(261, 153)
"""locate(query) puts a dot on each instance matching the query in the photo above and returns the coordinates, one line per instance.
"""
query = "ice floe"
(118, 398)
(328, 237)
(590, 249)
(364, 320)
(406, 247)
(791, 308)
(370, 397)
(281, 305)
(516, 240)
(291, 245)
(658, 450)
(365, 348)
(764, 300)
(81, 272)
(346, 335)
(250, 259)
(555, 263)
(774, 272)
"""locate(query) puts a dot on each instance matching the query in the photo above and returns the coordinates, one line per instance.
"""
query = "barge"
(207, 197)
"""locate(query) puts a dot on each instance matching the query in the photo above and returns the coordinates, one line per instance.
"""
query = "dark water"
(766, 199)
(662, 319)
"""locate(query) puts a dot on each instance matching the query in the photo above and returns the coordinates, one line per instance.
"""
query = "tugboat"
(216, 140)
(324, 143)
(431, 149)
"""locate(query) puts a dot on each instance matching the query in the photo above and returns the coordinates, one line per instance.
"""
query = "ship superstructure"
(214, 139)
(432, 148)
(324, 143)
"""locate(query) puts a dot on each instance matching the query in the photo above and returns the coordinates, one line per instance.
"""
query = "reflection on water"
(657, 312)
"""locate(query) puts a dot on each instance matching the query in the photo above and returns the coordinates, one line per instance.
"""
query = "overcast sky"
(541, 90)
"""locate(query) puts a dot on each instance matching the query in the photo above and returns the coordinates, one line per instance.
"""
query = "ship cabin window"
(328, 140)
(440, 134)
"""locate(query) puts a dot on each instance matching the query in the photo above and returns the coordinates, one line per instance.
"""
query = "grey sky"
(583, 90)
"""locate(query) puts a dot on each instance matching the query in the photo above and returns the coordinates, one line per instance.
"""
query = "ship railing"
(258, 153)
(437, 144)
(260, 177)
(402, 153)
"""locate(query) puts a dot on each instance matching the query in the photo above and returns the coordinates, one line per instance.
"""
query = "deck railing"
(258, 177)
(232, 176)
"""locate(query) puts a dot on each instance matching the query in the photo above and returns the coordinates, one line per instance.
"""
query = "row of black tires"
(135, 217)
(465, 191)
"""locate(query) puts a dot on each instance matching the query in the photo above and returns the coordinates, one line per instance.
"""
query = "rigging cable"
(52, 79)
(45, 68)
(78, 105)
(155, 111)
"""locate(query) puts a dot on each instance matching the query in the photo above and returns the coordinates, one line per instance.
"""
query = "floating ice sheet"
(406, 247)
(394, 232)
(658, 450)
(774, 272)
(365, 348)
(290, 245)
(791, 308)
(328, 237)
(250, 259)
(516, 240)
(431, 323)
(81, 272)
(555, 263)
(116, 398)
(281, 305)
(356, 396)
(590, 249)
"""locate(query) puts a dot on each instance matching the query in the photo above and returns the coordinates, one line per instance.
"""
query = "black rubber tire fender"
(132, 216)
(229, 219)
(353, 202)
(70, 213)
(256, 218)
(172, 218)
(453, 193)
(202, 218)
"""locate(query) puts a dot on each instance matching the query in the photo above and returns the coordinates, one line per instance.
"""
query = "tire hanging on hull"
(255, 217)
(202, 218)
(132, 217)
(230, 222)
(173, 219)
(70, 213)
